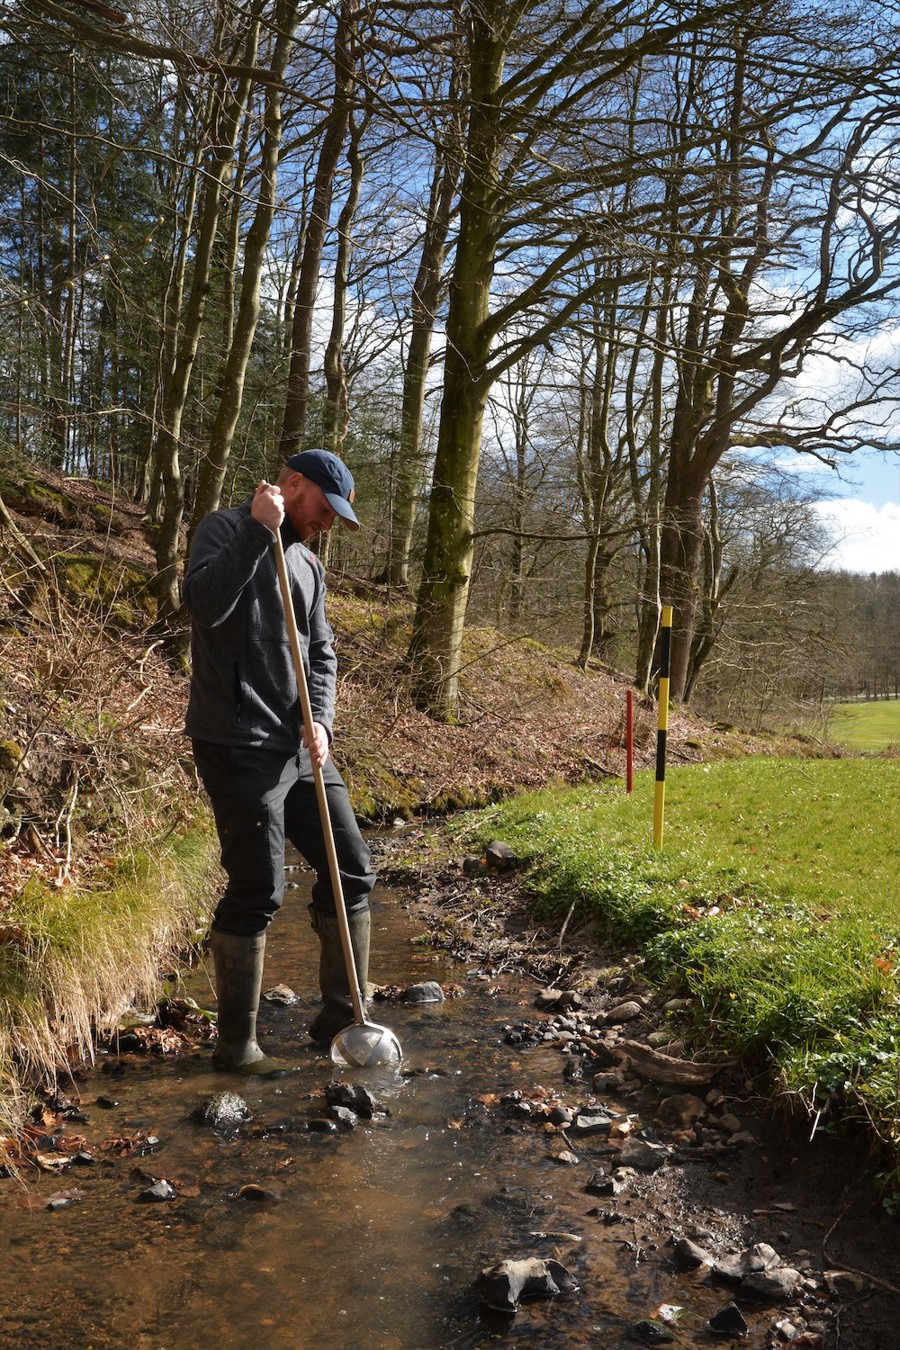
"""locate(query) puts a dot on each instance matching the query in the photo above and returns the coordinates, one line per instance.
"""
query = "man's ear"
(291, 485)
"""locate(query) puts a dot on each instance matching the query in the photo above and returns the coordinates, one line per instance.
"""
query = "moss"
(122, 592)
(376, 793)
(11, 754)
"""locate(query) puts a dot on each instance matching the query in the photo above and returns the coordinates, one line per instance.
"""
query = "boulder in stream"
(501, 1287)
(427, 991)
(356, 1098)
(223, 1111)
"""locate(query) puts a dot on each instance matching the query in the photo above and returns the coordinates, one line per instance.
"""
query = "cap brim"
(343, 508)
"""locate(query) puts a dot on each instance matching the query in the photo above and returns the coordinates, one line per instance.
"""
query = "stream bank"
(144, 1225)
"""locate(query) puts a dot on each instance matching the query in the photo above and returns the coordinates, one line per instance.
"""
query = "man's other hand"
(268, 506)
(318, 750)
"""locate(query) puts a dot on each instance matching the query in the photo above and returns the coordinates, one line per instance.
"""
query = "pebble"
(624, 1012)
(161, 1190)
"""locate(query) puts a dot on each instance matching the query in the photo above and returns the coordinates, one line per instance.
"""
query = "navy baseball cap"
(333, 477)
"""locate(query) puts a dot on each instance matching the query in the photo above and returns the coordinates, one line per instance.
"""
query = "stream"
(280, 1236)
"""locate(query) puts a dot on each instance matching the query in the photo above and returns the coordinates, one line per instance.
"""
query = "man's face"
(306, 506)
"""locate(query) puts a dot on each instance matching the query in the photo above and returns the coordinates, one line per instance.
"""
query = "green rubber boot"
(337, 1012)
(239, 967)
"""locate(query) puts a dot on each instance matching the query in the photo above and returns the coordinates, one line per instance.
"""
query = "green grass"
(773, 902)
(868, 727)
(72, 959)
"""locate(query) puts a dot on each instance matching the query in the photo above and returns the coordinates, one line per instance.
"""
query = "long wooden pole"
(662, 724)
(334, 869)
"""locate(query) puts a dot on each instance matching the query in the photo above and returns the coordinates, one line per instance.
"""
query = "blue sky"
(863, 512)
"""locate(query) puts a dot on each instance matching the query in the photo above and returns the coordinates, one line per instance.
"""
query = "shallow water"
(372, 1237)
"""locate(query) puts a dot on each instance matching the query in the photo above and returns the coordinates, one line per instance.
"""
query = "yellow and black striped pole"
(665, 648)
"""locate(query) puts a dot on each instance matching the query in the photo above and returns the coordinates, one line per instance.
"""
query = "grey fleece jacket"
(243, 684)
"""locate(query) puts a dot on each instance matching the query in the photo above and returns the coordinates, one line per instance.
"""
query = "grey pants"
(260, 798)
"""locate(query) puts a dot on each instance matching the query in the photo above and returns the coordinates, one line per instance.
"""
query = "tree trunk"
(336, 413)
(213, 467)
(437, 635)
(169, 437)
(293, 428)
(409, 468)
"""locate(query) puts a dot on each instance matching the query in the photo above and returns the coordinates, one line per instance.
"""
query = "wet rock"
(499, 857)
(520, 1033)
(356, 1097)
(281, 993)
(107, 1103)
(319, 1125)
(64, 1200)
(649, 1332)
(429, 991)
(689, 1256)
(771, 1285)
(224, 1111)
(588, 1125)
(643, 1155)
(681, 1112)
(608, 1082)
(159, 1192)
(566, 1158)
(258, 1193)
(603, 1183)
(729, 1321)
(344, 1117)
(739, 1265)
(557, 999)
(560, 1115)
(624, 1012)
(502, 1286)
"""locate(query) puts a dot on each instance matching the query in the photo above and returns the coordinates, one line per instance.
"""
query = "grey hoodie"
(243, 685)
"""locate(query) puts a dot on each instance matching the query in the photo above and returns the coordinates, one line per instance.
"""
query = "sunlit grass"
(773, 901)
(868, 727)
(72, 960)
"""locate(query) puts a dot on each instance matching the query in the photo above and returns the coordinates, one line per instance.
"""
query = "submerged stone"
(649, 1332)
(356, 1097)
(224, 1111)
(501, 1286)
(161, 1190)
(428, 991)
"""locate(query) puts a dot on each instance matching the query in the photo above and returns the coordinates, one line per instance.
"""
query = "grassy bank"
(773, 903)
(72, 960)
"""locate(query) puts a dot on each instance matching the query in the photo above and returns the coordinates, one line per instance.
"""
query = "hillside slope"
(93, 708)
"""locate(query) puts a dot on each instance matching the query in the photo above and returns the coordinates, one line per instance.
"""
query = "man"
(251, 750)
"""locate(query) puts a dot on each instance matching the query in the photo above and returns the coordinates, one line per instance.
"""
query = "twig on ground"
(830, 1261)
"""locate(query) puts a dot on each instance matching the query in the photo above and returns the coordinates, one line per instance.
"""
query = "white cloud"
(867, 537)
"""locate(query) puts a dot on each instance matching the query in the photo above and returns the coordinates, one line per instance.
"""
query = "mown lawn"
(868, 727)
(773, 901)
